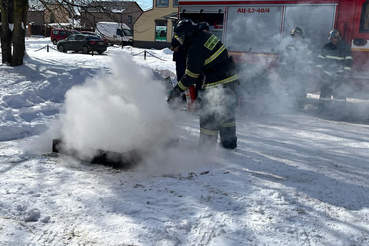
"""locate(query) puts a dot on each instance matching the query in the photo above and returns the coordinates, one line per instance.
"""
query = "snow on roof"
(103, 6)
(70, 24)
(59, 25)
(118, 10)
(35, 5)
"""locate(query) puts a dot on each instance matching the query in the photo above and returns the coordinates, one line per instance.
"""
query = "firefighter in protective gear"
(206, 54)
(335, 62)
(296, 66)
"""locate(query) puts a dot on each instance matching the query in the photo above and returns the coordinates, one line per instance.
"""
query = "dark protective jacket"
(335, 59)
(180, 55)
(206, 54)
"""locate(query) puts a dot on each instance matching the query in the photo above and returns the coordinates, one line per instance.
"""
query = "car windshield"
(128, 32)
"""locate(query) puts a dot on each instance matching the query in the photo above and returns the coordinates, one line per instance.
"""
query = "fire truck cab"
(255, 32)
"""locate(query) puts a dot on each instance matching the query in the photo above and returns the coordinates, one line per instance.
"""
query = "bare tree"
(20, 21)
(13, 30)
(6, 34)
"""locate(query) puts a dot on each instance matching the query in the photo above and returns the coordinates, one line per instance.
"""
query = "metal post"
(121, 26)
(47, 48)
(144, 54)
(73, 14)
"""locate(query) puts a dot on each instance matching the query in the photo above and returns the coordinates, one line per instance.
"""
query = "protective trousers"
(332, 86)
(217, 114)
(180, 68)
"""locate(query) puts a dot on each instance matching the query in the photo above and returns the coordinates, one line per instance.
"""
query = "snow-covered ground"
(295, 178)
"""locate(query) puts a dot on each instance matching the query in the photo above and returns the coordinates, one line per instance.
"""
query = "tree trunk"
(20, 20)
(6, 34)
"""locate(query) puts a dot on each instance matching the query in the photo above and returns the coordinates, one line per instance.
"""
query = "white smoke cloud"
(217, 100)
(122, 111)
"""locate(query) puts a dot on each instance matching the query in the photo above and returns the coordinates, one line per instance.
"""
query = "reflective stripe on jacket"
(335, 59)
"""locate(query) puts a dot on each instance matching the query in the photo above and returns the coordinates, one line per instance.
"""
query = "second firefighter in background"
(334, 62)
(296, 67)
(207, 55)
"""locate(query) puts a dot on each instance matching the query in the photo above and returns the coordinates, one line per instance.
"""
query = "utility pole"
(121, 26)
(73, 14)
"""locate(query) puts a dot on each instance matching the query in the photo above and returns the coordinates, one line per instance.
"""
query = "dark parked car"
(82, 42)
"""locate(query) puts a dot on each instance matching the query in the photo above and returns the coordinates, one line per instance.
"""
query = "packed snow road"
(295, 178)
(301, 181)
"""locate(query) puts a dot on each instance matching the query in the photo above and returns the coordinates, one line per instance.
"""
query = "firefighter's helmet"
(334, 34)
(184, 29)
(297, 32)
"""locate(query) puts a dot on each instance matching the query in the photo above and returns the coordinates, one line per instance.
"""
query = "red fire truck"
(255, 31)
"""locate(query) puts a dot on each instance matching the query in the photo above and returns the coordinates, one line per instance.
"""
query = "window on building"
(161, 31)
(162, 3)
(364, 22)
(52, 18)
(129, 19)
(175, 3)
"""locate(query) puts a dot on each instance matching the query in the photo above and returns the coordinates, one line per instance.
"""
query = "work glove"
(174, 93)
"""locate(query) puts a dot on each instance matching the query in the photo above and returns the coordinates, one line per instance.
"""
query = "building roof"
(109, 6)
(35, 5)
(172, 16)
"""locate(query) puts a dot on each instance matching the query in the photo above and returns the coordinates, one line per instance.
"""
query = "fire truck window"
(215, 21)
(314, 20)
(254, 29)
(364, 22)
